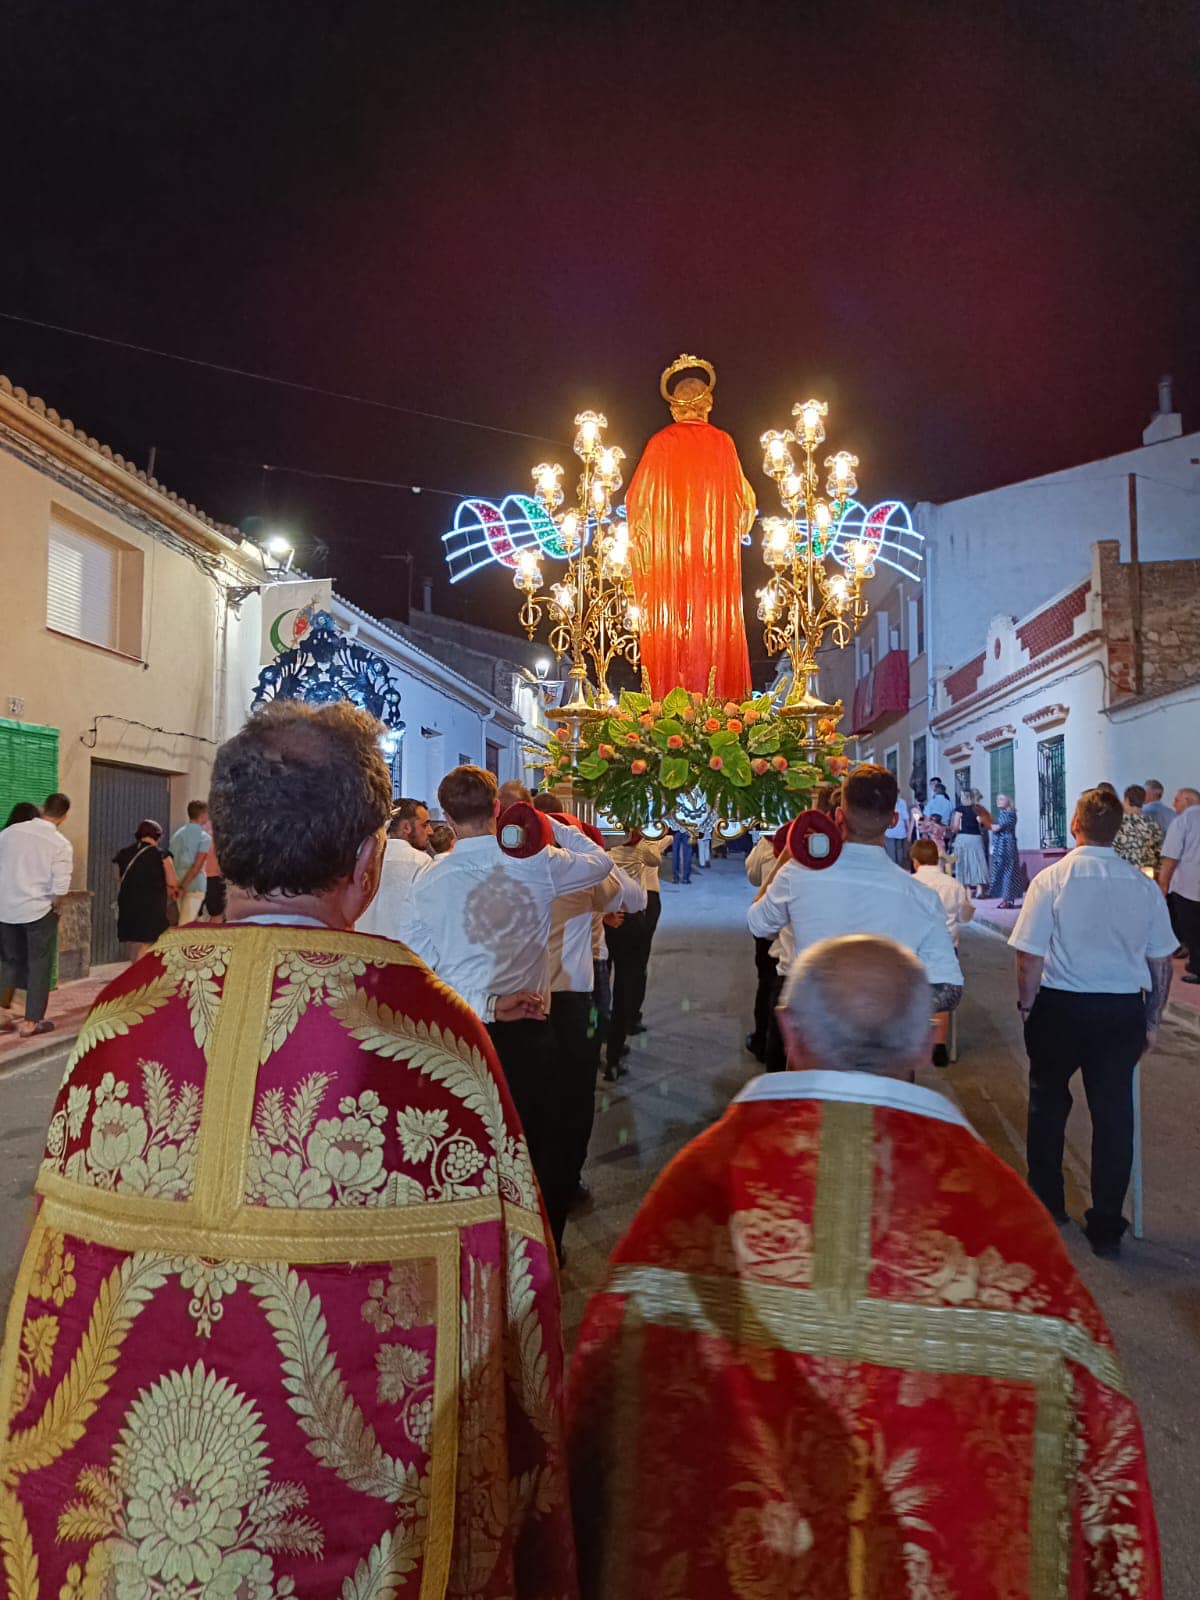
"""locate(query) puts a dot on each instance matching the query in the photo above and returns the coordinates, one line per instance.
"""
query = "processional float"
(656, 583)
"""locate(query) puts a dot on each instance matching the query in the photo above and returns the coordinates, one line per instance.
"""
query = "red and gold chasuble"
(688, 506)
(287, 1325)
(842, 1353)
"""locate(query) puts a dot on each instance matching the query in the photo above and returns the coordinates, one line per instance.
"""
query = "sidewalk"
(1183, 1003)
(69, 1005)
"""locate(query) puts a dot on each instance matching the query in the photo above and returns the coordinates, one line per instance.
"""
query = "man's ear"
(366, 858)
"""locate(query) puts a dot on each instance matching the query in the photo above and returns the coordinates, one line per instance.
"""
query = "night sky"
(973, 229)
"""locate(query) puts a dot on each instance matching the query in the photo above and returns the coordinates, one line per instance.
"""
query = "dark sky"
(973, 229)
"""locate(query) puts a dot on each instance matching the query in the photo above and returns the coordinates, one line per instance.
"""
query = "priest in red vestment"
(287, 1324)
(688, 507)
(842, 1352)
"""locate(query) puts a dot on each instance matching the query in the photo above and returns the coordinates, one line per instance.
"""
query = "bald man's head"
(857, 1004)
(1186, 798)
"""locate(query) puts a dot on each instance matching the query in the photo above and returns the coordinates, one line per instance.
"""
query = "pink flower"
(733, 725)
(780, 763)
(637, 768)
(760, 766)
(675, 741)
(712, 724)
(751, 717)
(730, 710)
(605, 752)
(715, 763)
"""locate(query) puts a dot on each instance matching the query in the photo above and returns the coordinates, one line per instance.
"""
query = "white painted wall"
(1010, 549)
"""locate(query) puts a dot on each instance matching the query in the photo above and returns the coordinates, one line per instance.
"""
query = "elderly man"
(1094, 945)
(1179, 877)
(863, 891)
(842, 1352)
(404, 859)
(287, 1322)
(1155, 807)
(36, 862)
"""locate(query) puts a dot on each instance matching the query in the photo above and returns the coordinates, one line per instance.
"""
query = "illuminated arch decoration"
(486, 534)
(888, 533)
(325, 666)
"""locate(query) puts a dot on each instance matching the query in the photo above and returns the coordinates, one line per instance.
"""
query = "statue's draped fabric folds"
(689, 505)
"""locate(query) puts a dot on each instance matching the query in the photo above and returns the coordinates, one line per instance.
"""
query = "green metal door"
(28, 764)
(1002, 772)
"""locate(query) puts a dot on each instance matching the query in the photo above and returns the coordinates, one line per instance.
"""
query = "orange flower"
(548, 772)
(637, 768)
(760, 766)
(564, 761)
(780, 763)
(631, 738)
(605, 752)
(712, 724)
(675, 741)
(646, 720)
(688, 715)
(729, 709)
(733, 725)
(827, 727)
(751, 717)
(715, 763)
(838, 765)
(562, 732)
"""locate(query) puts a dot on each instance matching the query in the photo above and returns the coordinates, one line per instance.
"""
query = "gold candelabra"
(806, 598)
(593, 611)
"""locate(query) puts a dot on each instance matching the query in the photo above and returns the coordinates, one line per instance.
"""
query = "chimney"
(427, 596)
(1166, 422)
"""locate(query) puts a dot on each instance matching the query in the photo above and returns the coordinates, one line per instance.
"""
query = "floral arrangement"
(742, 757)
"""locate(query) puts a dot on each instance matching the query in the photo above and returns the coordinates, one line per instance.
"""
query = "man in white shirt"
(36, 863)
(404, 859)
(481, 920)
(642, 859)
(895, 839)
(862, 892)
(957, 905)
(572, 1012)
(1179, 876)
(938, 805)
(1094, 945)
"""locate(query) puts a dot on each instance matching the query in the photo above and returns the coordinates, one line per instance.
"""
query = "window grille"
(1052, 793)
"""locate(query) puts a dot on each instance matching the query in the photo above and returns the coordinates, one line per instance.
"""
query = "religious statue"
(689, 506)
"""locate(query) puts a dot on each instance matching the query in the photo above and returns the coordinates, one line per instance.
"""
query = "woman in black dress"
(146, 882)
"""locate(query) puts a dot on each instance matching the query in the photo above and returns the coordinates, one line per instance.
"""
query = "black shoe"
(1191, 977)
(940, 1056)
(581, 1198)
(1061, 1217)
(638, 1027)
(755, 1049)
(1107, 1249)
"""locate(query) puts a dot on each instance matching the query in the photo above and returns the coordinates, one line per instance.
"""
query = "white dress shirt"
(855, 1088)
(1182, 844)
(899, 828)
(388, 912)
(643, 860)
(761, 859)
(573, 919)
(35, 869)
(481, 919)
(862, 892)
(956, 902)
(1097, 921)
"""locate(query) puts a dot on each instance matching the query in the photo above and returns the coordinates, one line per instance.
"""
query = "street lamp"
(277, 553)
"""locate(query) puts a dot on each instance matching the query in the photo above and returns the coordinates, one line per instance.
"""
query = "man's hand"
(613, 919)
(525, 1005)
(1151, 1041)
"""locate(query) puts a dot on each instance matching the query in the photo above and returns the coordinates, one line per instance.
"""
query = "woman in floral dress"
(1006, 863)
(287, 1324)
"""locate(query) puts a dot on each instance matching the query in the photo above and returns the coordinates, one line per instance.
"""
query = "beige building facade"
(129, 649)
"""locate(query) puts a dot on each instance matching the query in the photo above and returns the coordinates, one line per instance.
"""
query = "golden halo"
(687, 364)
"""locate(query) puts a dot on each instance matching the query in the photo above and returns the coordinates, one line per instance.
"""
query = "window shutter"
(81, 591)
(28, 765)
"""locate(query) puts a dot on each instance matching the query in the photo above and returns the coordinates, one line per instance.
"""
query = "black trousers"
(651, 915)
(768, 972)
(1185, 919)
(1102, 1036)
(528, 1054)
(776, 1057)
(26, 962)
(577, 1037)
(627, 948)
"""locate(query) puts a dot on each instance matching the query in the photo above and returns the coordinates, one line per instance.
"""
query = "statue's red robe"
(689, 505)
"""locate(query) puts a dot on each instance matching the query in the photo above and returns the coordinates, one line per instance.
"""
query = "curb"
(49, 1045)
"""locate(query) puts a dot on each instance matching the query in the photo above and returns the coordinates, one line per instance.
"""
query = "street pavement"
(691, 1062)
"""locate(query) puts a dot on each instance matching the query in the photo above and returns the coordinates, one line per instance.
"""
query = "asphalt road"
(688, 1066)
